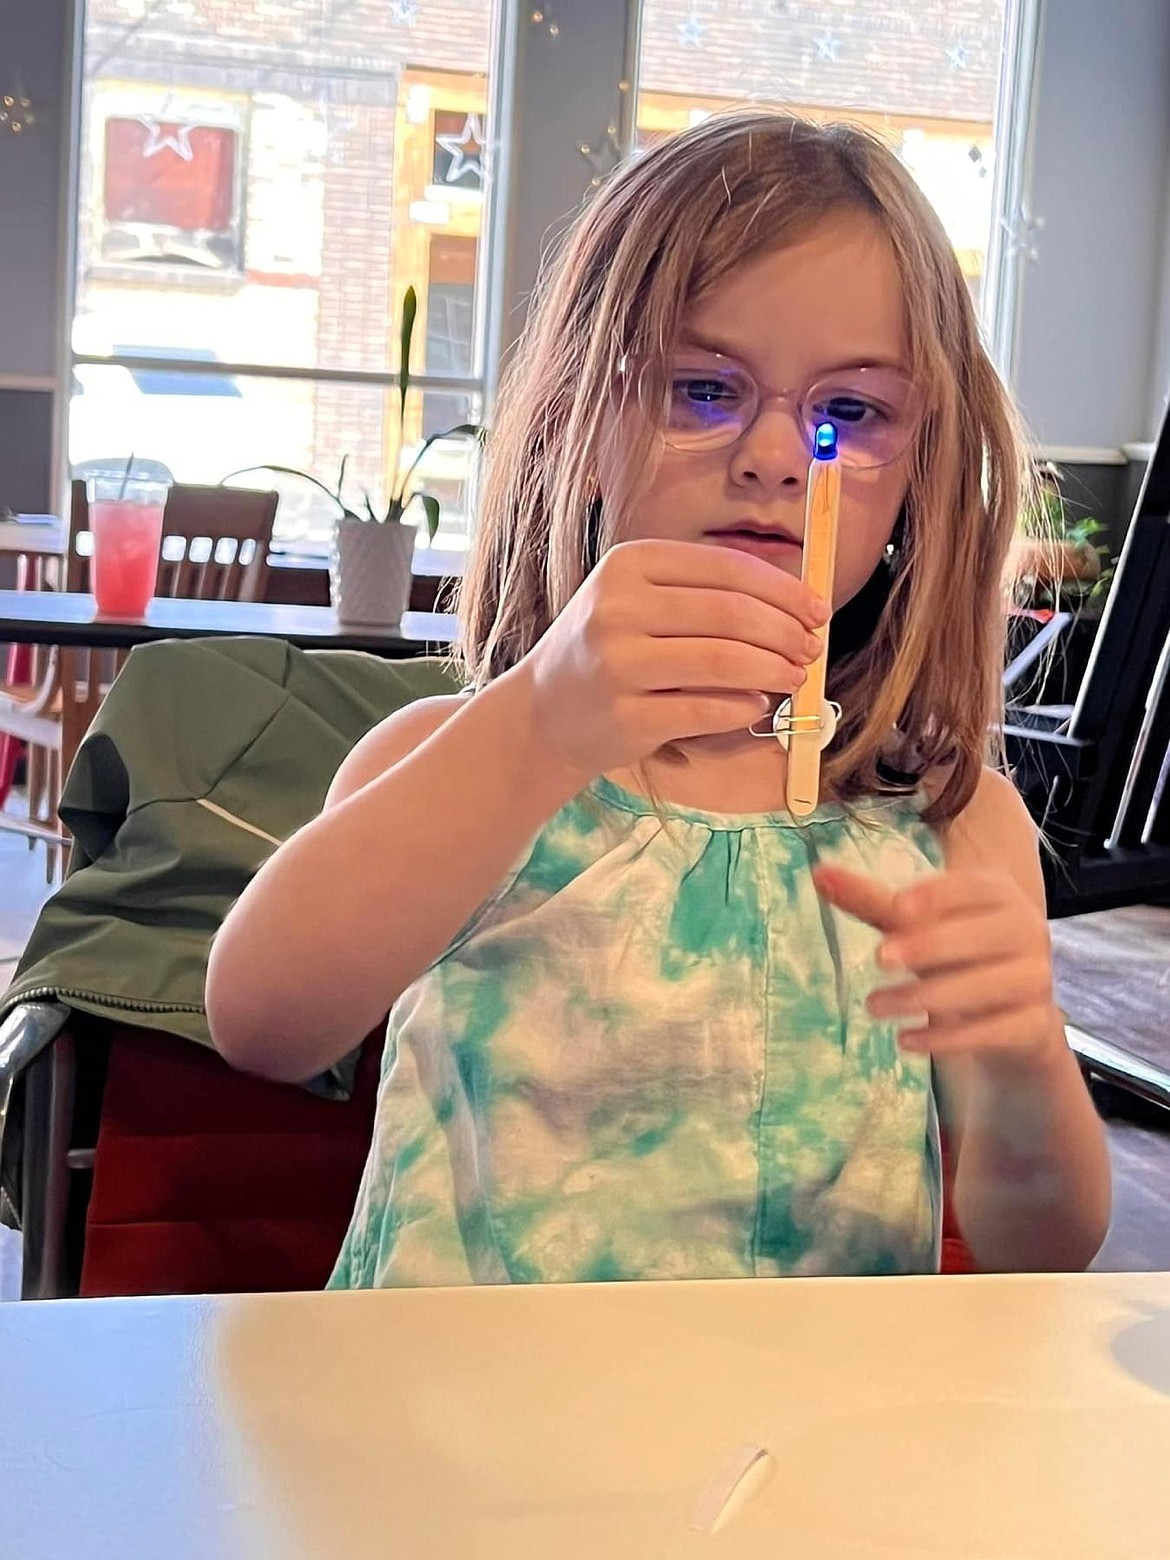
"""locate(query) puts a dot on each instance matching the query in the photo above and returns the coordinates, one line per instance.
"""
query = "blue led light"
(825, 441)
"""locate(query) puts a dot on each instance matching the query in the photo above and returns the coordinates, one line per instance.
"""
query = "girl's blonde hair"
(661, 233)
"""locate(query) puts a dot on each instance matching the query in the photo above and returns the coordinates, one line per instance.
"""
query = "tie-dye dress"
(649, 1056)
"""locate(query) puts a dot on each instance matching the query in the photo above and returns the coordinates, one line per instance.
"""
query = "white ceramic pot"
(370, 572)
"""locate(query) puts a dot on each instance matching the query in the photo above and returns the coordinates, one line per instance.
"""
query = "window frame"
(560, 110)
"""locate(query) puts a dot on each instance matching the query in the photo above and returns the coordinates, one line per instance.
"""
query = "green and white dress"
(649, 1056)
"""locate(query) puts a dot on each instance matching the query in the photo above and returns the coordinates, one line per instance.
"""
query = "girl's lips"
(769, 545)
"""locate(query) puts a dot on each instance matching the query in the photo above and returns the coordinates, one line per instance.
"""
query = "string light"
(604, 157)
(16, 110)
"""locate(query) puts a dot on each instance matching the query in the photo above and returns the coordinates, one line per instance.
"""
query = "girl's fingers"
(859, 896)
(955, 942)
(686, 611)
(924, 904)
(940, 894)
(707, 566)
(699, 664)
(1020, 1030)
(677, 716)
(975, 992)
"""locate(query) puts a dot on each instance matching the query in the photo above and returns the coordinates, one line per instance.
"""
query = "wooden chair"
(215, 543)
(30, 714)
(215, 548)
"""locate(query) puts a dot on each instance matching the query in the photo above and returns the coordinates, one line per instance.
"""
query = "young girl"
(645, 1022)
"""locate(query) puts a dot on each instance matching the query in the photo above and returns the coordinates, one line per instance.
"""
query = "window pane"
(196, 428)
(924, 76)
(260, 180)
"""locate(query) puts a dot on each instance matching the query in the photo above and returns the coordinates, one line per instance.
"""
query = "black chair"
(1096, 775)
(39, 1179)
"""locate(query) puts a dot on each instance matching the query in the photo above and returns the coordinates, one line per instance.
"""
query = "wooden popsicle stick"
(820, 551)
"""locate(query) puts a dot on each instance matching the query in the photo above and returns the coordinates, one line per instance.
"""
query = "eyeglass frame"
(796, 402)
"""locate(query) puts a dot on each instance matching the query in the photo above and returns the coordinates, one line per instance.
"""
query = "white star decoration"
(827, 47)
(691, 32)
(163, 137)
(465, 149)
(405, 12)
(957, 57)
(1022, 230)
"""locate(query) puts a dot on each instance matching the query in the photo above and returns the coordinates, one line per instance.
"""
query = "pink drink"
(127, 537)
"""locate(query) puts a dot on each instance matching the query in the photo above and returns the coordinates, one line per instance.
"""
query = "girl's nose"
(772, 453)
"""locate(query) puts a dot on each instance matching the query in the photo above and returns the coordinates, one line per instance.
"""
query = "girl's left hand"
(980, 949)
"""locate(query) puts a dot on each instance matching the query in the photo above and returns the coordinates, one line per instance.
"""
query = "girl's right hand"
(665, 641)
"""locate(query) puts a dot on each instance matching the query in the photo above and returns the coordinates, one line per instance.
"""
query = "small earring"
(892, 557)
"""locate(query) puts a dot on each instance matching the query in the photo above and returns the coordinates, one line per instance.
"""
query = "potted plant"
(1055, 558)
(373, 549)
(1058, 565)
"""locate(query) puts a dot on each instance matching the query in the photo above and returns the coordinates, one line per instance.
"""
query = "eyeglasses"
(712, 401)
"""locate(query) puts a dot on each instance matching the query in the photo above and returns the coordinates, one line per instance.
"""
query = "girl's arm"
(1032, 1179)
(421, 823)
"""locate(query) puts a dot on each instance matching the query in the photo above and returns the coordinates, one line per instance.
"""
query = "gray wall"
(35, 40)
(32, 44)
(1089, 369)
(1160, 378)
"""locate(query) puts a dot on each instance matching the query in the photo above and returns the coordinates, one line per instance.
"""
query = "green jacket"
(204, 757)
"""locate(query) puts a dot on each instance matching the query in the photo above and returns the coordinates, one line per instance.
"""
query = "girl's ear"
(854, 623)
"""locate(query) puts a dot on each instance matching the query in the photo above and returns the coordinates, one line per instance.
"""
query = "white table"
(986, 1418)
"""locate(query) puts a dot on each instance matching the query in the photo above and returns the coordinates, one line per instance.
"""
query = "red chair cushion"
(956, 1254)
(209, 1181)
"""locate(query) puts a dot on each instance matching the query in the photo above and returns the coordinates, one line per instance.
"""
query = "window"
(259, 183)
(165, 381)
(449, 325)
(925, 77)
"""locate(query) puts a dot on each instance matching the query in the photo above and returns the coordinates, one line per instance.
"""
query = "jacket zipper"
(143, 1005)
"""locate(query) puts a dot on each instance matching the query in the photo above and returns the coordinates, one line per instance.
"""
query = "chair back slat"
(220, 538)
